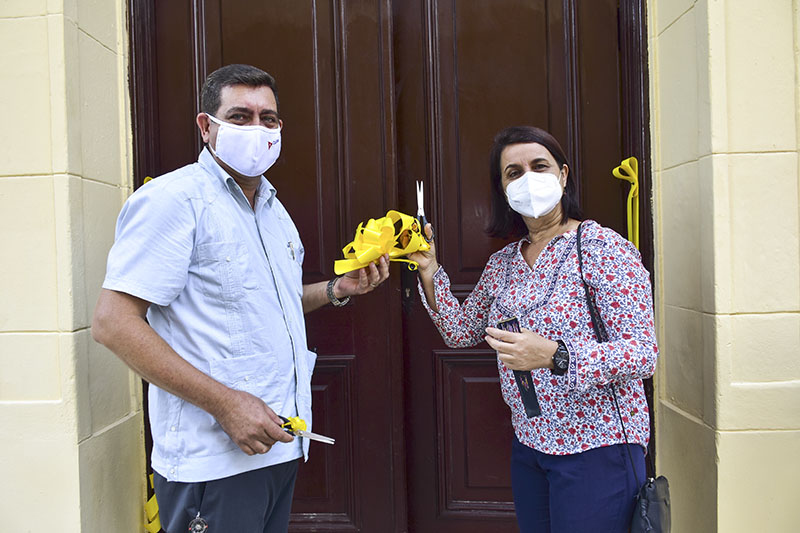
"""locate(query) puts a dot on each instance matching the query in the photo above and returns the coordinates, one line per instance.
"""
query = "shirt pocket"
(200, 434)
(222, 267)
(256, 374)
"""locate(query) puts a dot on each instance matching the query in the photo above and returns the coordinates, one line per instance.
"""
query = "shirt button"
(173, 428)
(247, 378)
(228, 259)
(171, 470)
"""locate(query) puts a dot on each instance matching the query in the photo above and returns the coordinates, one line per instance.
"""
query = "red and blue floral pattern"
(578, 412)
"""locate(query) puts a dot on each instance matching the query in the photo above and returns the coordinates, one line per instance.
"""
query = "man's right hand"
(250, 423)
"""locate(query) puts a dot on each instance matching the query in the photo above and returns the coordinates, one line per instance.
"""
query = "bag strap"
(602, 336)
(597, 324)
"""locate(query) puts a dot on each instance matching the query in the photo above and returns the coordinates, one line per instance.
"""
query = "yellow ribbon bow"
(396, 234)
(153, 523)
(629, 171)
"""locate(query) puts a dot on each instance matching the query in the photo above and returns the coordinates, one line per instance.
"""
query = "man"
(203, 298)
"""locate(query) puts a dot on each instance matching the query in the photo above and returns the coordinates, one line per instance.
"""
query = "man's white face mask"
(534, 194)
(249, 150)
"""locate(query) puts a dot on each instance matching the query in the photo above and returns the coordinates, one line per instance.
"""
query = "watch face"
(561, 360)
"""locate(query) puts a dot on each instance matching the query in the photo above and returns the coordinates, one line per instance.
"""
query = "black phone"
(523, 377)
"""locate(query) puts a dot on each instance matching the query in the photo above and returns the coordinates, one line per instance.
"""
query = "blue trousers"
(591, 492)
(258, 501)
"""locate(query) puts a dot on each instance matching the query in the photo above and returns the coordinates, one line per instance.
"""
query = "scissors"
(421, 211)
(295, 425)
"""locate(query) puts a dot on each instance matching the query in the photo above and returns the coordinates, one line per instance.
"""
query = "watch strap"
(332, 297)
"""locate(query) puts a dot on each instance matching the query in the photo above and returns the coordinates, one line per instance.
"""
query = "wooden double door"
(374, 95)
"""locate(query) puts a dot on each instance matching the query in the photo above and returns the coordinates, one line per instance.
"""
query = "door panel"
(335, 170)
(325, 488)
(488, 65)
(374, 95)
(332, 63)
(279, 37)
(477, 476)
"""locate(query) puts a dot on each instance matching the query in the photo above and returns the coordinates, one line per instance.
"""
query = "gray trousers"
(258, 501)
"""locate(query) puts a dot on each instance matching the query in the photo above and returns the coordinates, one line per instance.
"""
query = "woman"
(570, 468)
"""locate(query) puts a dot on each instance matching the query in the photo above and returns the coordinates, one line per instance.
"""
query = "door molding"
(636, 140)
(636, 111)
(143, 88)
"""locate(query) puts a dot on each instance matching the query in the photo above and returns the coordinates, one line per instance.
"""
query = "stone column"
(724, 109)
(72, 452)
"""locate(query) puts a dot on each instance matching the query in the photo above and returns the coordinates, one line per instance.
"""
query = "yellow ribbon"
(153, 524)
(396, 234)
(628, 170)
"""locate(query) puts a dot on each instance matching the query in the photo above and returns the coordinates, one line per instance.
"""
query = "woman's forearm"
(426, 280)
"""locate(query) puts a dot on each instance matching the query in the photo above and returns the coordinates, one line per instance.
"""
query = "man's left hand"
(363, 280)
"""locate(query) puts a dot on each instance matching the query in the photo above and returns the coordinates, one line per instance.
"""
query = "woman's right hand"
(427, 268)
(427, 259)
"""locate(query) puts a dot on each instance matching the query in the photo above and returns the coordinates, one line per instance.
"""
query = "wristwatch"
(332, 297)
(560, 359)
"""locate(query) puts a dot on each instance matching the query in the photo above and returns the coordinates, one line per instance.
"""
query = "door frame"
(636, 132)
(636, 140)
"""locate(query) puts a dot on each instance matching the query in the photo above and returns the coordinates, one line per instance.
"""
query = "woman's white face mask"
(249, 150)
(534, 194)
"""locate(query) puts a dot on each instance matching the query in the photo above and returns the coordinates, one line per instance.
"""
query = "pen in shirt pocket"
(290, 245)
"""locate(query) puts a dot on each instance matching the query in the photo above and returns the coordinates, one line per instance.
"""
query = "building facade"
(725, 121)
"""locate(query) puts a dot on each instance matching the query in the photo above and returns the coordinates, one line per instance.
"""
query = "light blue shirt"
(225, 284)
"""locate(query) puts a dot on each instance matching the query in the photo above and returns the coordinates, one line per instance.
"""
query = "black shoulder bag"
(652, 511)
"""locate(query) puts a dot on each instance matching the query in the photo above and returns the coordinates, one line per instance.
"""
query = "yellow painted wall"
(70, 412)
(724, 109)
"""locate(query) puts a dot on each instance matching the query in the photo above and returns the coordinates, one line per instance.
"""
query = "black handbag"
(652, 510)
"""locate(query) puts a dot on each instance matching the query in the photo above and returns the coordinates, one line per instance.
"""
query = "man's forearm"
(119, 323)
(315, 295)
(119, 326)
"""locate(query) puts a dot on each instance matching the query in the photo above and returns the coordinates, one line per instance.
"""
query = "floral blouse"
(578, 411)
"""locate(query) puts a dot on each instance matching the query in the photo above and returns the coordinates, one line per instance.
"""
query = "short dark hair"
(229, 75)
(505, 222)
